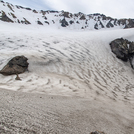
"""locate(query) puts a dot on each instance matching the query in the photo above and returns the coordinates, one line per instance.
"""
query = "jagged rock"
(27, 8)
(82, 17)
(104, 17)
(40, 23)
(65, 14)
(46, 22)
(102, 26)
(109, 24)
(21, 7)
(77, 22)
(43, 12)
(115, 22)
(4, 17)
(71, 22)
(97, 132)
(25, 21)
(130, 23)
(64, 23)
(18, 21)
(13, 16)
(123, 49)
(96, 26)
(35, 11)
(10, 7)
(45, 17)
(52, 11)
(16, 65)
(118, 47)
(78, 14)
(122, 21)
(53, 21)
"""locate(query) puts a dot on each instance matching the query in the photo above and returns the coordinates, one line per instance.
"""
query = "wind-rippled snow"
(63, 62)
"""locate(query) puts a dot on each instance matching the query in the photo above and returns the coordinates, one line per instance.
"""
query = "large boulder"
(123, 49)
(16, 65)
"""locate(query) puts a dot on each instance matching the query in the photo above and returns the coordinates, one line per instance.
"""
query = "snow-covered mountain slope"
(67, 62)
(18, 14)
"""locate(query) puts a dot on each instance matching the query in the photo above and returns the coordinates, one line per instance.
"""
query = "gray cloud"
(113, 8)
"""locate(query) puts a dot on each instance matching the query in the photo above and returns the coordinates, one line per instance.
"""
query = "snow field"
(70, 63)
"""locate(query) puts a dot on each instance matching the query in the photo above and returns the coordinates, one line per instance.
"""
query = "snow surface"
(66, 62)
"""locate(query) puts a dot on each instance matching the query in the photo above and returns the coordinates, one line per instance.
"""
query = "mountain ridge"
(24, 15)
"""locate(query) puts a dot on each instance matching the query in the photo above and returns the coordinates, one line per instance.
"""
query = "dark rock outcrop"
(65, 14)
(102, 26)
(45, 17)
(82, 17)
(43, 12)
(77, 22)
(39, 22)
(18, 21)
(52, 11)
(96, 26)
(53, 21)
(16, 65)
(25, 21)
(9, 6)
(5, 18)
(71, 22)
(130, 23)
(35, 11)
(123, 49)
(109, 24)
(27, 8)
(122, 21)
(13, 16)
(64, 23)
(115, 22)
(46, 22)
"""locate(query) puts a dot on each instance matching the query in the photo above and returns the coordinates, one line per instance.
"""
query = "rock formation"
(5, 18)
(64, 23)
(16, 65)
(123, 49)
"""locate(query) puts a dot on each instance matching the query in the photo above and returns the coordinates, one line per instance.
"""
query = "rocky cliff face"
(18, 14)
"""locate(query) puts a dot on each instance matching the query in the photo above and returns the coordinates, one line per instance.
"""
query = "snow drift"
(70, 63)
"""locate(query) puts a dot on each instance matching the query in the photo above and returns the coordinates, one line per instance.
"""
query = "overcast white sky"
(112, 8)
